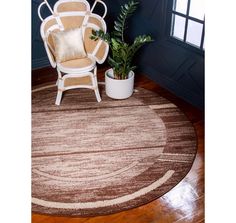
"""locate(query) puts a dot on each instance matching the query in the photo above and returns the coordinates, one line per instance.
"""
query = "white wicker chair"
(78, 73)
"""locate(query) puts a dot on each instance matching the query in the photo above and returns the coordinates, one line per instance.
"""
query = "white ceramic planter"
(119, 89)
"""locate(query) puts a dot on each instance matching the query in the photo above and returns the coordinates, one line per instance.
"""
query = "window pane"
(194, 33)
(197, 9)
(178, 26)
(180, 6)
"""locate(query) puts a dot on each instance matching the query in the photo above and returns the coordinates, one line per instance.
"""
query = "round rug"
(92, 158)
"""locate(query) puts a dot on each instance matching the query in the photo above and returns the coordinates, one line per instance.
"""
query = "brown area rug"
(92, 158)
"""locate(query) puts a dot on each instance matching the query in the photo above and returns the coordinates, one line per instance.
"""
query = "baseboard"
(40, 63)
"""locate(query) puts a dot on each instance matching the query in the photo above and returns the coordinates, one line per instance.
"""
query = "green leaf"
(115, 44)
(125, 12)
(118, 28)
(118, 24)
(116, 33)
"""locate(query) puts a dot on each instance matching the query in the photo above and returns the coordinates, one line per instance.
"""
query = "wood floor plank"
(183, 204)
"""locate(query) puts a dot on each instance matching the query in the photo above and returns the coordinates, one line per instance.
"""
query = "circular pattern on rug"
(92, 158)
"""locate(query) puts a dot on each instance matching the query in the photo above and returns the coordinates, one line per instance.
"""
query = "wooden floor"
(183, 204)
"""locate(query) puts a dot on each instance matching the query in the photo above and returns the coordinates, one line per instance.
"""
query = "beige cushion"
(77, 65)
(68, 45)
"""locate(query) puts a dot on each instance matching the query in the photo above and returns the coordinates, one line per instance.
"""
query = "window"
(188, 22)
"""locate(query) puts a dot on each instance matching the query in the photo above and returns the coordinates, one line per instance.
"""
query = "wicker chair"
(76, 73)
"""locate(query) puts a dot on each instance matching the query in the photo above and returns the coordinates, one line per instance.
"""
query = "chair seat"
(78, 65)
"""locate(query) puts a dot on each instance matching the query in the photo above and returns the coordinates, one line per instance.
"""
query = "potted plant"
(119, 80)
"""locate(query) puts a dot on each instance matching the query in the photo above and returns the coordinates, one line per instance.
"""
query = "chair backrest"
(79, 17)
(71, 6)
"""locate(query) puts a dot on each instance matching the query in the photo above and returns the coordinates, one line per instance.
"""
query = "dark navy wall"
(39, 57)
(174, 67)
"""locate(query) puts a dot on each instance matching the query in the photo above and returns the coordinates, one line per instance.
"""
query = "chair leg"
(95, 85)
(59, 96)
(98, 95)
(59, 85)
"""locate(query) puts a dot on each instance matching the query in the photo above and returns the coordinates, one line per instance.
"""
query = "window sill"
(186, 46)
